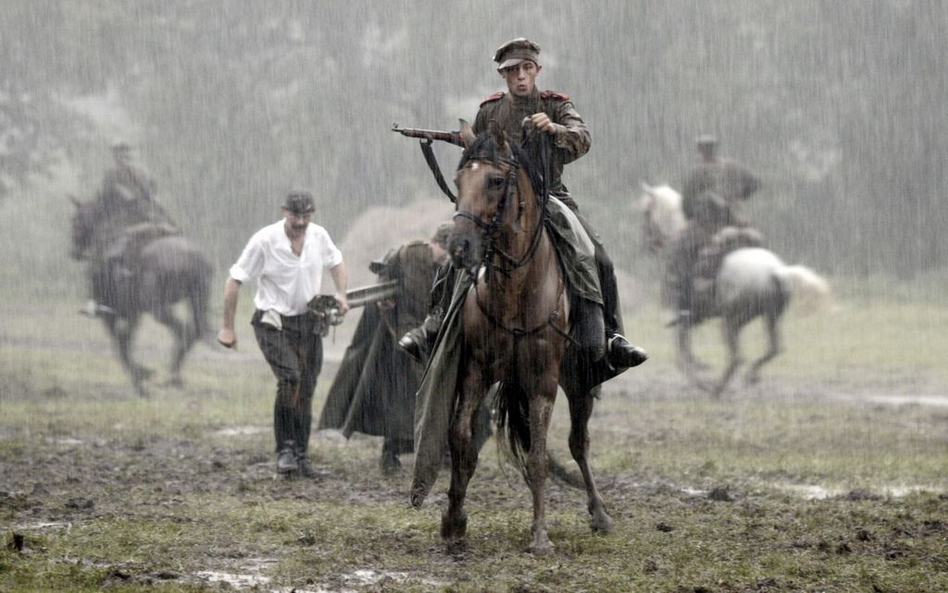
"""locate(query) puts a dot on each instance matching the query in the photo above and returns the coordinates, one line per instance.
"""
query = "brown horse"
(515, 323)
(165, 270)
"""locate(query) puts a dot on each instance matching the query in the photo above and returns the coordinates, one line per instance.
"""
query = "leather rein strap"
(432, 161)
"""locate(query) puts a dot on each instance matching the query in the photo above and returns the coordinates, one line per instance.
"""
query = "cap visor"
(511, 62)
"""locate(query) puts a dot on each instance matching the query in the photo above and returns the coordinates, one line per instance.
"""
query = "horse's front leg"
(463, 452)
(122, 330)
(183, 340)
(686, 358)
(732, 330)
(541, 394)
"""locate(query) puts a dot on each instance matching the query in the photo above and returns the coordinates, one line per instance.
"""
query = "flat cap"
(706, 140)
(299, 202)
(515, 51)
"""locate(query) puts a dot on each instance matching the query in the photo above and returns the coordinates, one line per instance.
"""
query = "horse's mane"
(525, 155)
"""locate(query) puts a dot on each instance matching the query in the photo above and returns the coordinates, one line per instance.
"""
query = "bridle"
(489, 229)
(510, 262)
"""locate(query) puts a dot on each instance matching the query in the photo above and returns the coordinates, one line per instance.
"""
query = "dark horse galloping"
(515, 321)
(165, 270)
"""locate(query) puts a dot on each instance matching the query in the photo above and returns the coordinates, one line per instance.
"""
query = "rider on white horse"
(710, 203)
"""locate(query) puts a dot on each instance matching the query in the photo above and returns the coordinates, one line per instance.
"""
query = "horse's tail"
(809, 289)
(513, 423)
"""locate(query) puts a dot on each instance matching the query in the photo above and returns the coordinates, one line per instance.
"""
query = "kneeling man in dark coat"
(374, 391)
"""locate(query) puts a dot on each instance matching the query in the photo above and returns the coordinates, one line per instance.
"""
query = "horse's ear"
(467, 134)
(497, 132)
(648, 188)
(75, 201)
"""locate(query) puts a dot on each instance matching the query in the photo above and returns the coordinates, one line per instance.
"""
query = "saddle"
(123, 252)
(710, 257)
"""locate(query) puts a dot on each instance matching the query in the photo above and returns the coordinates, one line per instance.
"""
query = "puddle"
(816, 492)
(237, 581)
(46, 525)
(940, 401)
(369, 576)
(65, 441)
(810, 491)
(239, 431)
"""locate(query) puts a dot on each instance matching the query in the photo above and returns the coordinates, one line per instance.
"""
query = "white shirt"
(285, 282)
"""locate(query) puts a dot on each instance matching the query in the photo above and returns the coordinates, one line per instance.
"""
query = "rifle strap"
(432, 161)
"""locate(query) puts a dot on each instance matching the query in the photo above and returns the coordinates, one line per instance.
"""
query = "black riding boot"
(589, 329)
(418, 342)
(620, 354)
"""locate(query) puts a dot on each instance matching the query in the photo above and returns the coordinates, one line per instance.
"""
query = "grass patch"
(824, 488)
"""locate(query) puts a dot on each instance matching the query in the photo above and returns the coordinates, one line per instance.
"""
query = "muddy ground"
(197, 505)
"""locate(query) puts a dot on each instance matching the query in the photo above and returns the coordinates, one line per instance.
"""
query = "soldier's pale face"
(521, 79)
(123, 156)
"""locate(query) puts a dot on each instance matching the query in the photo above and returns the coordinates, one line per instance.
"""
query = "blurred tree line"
(839, 106)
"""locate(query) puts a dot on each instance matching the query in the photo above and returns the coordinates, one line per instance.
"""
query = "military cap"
(299, 202)
(707, 145)
(515, 51)
(120, 144)
(706, 140)
(442, 233)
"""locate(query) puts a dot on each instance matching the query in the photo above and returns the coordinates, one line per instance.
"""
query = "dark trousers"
(295, 355)
(611, 308)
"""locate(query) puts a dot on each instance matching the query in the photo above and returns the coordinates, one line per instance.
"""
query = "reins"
(488, 232)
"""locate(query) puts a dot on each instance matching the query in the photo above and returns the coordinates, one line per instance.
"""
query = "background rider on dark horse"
(134, 218)
(711, 202)
(591, 276)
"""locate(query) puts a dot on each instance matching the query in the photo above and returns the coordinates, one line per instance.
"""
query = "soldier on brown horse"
(509, 323)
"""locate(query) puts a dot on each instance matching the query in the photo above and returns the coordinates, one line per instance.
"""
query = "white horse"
(751, 282)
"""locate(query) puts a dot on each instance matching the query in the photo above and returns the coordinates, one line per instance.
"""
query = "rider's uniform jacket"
(571, 141)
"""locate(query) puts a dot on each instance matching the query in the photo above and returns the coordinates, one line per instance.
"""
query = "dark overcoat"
(374, 390)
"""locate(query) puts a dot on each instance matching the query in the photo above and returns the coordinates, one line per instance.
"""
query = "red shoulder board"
(554, 95)
(494, 97)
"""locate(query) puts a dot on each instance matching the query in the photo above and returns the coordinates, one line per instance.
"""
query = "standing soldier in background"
(374, 390)
(288, 258)
(711, 197)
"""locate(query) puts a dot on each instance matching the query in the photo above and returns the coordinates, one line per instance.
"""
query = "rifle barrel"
(450, 137)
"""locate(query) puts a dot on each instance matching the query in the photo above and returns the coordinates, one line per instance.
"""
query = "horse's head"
(662, 216)
(85, 220)
(490, 204)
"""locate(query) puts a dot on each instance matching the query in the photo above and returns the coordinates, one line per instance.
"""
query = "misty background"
(838, 106)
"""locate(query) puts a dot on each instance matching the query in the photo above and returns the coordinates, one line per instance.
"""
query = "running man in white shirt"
(287, 258)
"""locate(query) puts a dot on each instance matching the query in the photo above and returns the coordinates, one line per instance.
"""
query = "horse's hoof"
(453, 529)
(142, 374)
(541, 545)
(602, 523)
(174, 383)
